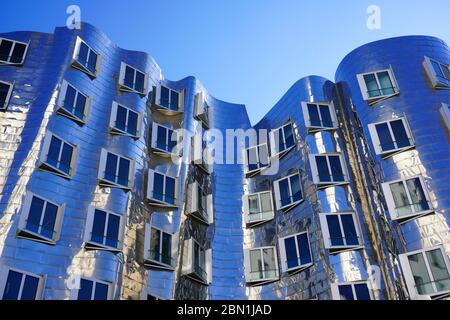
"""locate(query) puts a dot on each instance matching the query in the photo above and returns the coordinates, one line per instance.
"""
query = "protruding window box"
(12, 52)
(20, 285)
(445, 114)
(201, 204)
(86, 59)
(288, 192)
(319, 116)
(328, 169)
(73, 104)
(125, 121)
(6, 90)
(295, 253)
(197, 262)
(378, 85)
(133, 80)
(165, 141)
(358, 290)
(162, 190)
(258, 208)
(438, 73)
(261, 266)
(168, 101)
(159, 249)
(92, 289)
(256, 159)
(202, 112)
(201, 154)
(282, 140)
(116, 171)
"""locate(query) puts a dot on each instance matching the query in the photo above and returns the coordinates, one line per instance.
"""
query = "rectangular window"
(295, 252)
(445, 113)
(288, 192)
(261, 265)
(407, 199)
(92, 290)
(125, 121)
(158, 248)
(116, 171)
(86, 59)
(258, 208)
(282, 140)
(12, 52)
(438, 72)
(328, 169)
(379, 85)
(201, 204)
(391, 137)
(132, 80)
(58, 156)
(202, 112)
(426, 272)
(359, 290)
(319, 116)
(20, 285)
(5, 94)
(164, 140)
(201, 153)
(169, 101)
(162, 189)
(72, 103)
(256, 158)
(197, 261)
(340, 231)
(104, 230)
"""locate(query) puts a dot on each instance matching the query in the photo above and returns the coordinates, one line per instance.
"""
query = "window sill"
(157, 265)
(410, 217)
(375, 100)
(165, 154)
(282, 154)
(291, 206)
(193, 276)
(125, 88)
(199, 217)
(391, 153)
(162, 204)
(118, 132)
(312, 129)
(324, 185)
(89, 245)
(299, 269)
(13, 64)
(254, 173)
(255, 223)
(75, 64)
(49, 168)
(109, 184)
(65, 113)
(29, 235)
(165, 110)
(261, 282)
(340, 249)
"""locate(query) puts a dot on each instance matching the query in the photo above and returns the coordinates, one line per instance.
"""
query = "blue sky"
(244, 51)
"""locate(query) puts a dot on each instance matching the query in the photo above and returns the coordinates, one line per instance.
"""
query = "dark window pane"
(386, 84)
(325, 113)
(83, 54)
(69, 99)
(345, 292)
(155, 241)
(132, 123)
(400, 135)
(372, 85)
(79, 108)
(112, 231)
(322, 169)
(384, 136)
(161, 139)
(335, 230)
(291, 253)
(121, 118)
(438, 269)
(174, 97)
(111, 167)
(437, 69)
(124, 171)
(4, 88)
(85, 292)
(296, 189)
(92, 62)
(101, 291)
(252, 158)
(166, 253)
(98, 226)
(140, 79)
(53, 152)
(66, 158)
(18, 53)
(336, 168)
(303, 244)
(288, 136)
(12, 287)
(5, 49)
(362, 292)
(170, 190)
(263, 156)
(314, 115)
(285, 195)
(48, 224)
(419, 201)
(402, 205)
(129, 77)
(158, 187)
(34, 217)
(30, 288)
(165, 98)
(351, 236)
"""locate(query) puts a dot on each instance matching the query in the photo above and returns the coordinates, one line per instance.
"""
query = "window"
(5, 94)
(295, 252)
(20, 285)
(125, 121)
(258, 208)
(116, 171)
(426, 272)
(86, 59)
(91, 289)
(158, 248)
(328, 169)
(73, 104)
(261, 265)
(202, 112)
(282, 140)
(359, 290)
(164, 140)
(169, 101)
(201, 153)
(104, 230)
(391, 137)
(40, 219)
(256, 159)
(58, 156)
(201, 204)
(340, 231)
(12, 52)
(379, 85)
(319, 116)
(162, 189)
(445, 113)
(438, 72)
(132, 80)
(288, 192)
(197, 261)
(407, 199)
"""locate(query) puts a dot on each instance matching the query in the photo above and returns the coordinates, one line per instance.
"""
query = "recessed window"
(288, 192)
(295, 252)
(169, 101)
(12, 52)
(379, 85)
(261, 265)
(445, 113)
(72, 103)
(340, 231)
(328, 169)
(426, 272)
(197, 261)
(158, 248)
(256, 159)
(201, 204)
(202, 112)
(162, 189)
(86, 59)
(438, 72)
(258, 208)
(5, 94)
(282, 140)
(391, 137)
(104, 230)
(164, 140)
(19, 285)
(132, 80)
(91, 289)
(58, 156)
(407, 199)
(40, 219)
(201, 153)
(116, 171)
(319, 116)
(359, 290)
(125, 121)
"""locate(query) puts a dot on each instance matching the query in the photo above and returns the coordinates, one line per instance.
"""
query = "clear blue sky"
(244, 51)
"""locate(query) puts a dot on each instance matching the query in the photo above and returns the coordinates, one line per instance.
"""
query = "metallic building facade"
(32, 112)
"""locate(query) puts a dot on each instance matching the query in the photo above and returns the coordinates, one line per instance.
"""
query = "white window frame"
(247, 266)
(276, 186)
(177, 150)
(429, 69)
(391, 204)
(445, 113)
(250, 173)
(124, 87)
(4, 272)
(67, 113)
(113, 120)
(164, 110)
(101, 172)
(364, 89)
(78, 65)
(74, 291)
(312, 128)
(193, 209)
(188, 262)
(315, 170)
(203, 112)
(326, 232)
(150, 187)
(262, 219)
(272, 135)
(23, 232)
(148, 260)
(7, 63)
(409, 278)
(283, 255)
(8, 95)
(337, 296)
(43, 165)
(376, 141)
(201, 157)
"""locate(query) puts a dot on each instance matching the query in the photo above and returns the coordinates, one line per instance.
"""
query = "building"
(107, 190)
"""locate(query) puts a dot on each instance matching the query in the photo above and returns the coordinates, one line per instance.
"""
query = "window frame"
(364, 90)
(445, 114)
(315, 170)
(4, 272)
(8, 95)
(276, 187)
(112, 184)
(431, 73)
(251, 173)
(202, 111)
(150, 187)
(154, 139)
(247, 266)
(74, 292)
(62, 110)
(165, 110)
(7, 63)
(311, 128)
(152, 263)
(194, 211)
(283, 258)
(113, 120)
(124, 87)
(335, 289)
(78, 65)
(275, 153)
(198, 157)
(188, 262)
(246, 208)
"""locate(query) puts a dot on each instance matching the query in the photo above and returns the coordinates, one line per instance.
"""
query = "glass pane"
(384, 135)
(69, 99)
(98, 227)
(83, 54)
(420, 274)
(252, 158)
(351, 236)
(4, 88)
(446, 70)
(256, 264)
(121, 118)
(12, 286)
(174, 97)
(48, 224)
(79, 108)
(291, 253)
(303, 245)
(161, 139)
(124, 171)
(439, 270)
(314, 115)
(129, 77)
(111, 167)
(269, 263)
(53, 152)
(419, 201)
(30, 288)
(155, 241)
(167, 249)
(386, 84)
(165, 97)
(92, 62)
(437, 69)
(66, 158)
(322, 169)
(132, 123)
(170, 190)
(372, 85)
(263, 156)
(173, 139)
(325, 113)
(346, 292)
(266, 203)
(253, 204)
(85, 291)
(140, 82)
(402, 205)
(34, 217)
(335, 230)
(285, 195)
(296, 189)
(101, 291)
(362, 291)
(336, 168)
(400, 135)
(5, 49)
(288, 136)
(158, 187)
(112, 231)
